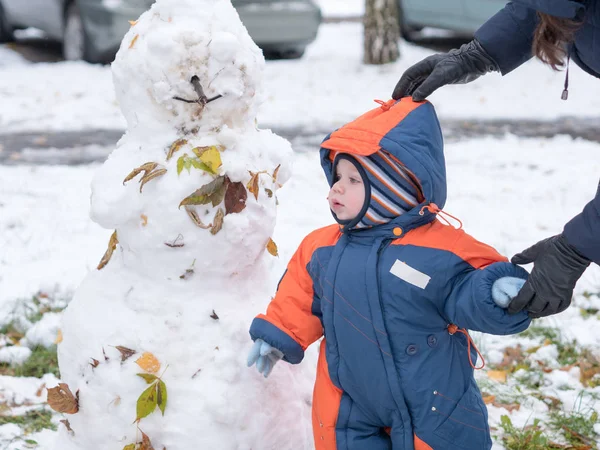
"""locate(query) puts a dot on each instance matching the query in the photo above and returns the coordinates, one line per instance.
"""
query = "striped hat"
(390, 189)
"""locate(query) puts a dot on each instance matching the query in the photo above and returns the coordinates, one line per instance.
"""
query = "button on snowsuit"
(390, 375)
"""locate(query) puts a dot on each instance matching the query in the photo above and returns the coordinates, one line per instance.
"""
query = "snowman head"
(190, 65)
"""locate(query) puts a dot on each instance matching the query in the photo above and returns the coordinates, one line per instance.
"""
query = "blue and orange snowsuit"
(390, 373)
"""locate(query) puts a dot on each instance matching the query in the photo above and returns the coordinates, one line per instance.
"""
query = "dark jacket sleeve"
(583, 231)
(508, 36)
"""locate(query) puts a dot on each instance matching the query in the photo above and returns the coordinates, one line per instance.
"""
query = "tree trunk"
(381, 31)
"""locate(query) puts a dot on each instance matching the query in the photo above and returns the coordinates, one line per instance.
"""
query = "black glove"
(557, 266)
(458, 66)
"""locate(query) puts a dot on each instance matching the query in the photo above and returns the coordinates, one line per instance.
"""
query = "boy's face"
(347, 195)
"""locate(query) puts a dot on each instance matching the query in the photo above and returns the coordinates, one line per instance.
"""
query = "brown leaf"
(175, 146)
(275, 173)
(217, 222)
(150, 176)
(135, 38)
(61, 399)
(214, 315)
(212, 192)
(196, 218)
(178, 242)
(125, 352)
(253, 184)
(510, 407)
(269, 192)
(112, 245)
(67, 424)
(187, 274)
(146, 445)
(272, 247)
(38, 393)
(132, 22)
(95, 363)
(512, 356)
(235, 198)
(146, 168)
(144, 218)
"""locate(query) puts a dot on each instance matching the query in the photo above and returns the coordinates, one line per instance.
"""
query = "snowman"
(154, 342)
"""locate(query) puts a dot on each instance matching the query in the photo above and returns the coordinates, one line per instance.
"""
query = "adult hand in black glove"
(458, 66)
(557, 266)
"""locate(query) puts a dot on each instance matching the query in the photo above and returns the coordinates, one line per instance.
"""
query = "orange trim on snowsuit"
(439, 236)
(363, 135)
(326, 405)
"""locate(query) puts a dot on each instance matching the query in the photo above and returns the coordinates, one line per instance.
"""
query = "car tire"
(285, 53)
(6, 32)
(406, 31)
(75, 44)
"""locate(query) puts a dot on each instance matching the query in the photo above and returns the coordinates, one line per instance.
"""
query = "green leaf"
(148, 377)
(187, 163)
(129, 447)
(200, 165)
(31, 441)
(212, 192)
(180, 162)
(146, 403)
(162, 396)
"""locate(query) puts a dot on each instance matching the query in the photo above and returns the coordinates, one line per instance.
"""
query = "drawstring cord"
(435, 209)
(565, 92)
(386, 105)
(452, 329)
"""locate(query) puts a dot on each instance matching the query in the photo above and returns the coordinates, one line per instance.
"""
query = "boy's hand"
(264, 356)
(505, 289)
(557, 266)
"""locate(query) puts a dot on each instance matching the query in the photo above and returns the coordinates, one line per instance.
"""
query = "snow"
(509, 192)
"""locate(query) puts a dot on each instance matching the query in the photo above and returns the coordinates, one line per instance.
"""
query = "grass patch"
(529, 437)
(32, 421)
(576, 427)
(42, 360)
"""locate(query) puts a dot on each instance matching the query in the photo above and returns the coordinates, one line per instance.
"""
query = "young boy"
(389, 287)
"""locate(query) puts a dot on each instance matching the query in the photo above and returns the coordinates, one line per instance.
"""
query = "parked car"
(464, 16)
(93, 29)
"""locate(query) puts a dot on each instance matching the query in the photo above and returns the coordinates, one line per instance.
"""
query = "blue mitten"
(264, 356)
(505, 289)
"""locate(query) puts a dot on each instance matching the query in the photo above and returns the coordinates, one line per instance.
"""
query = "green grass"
(527, 438)
(42, 360)
(32, 421)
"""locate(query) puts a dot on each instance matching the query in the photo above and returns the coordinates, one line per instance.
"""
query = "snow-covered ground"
(508, 192)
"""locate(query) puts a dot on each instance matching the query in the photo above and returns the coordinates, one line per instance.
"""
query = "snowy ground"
(508, 192)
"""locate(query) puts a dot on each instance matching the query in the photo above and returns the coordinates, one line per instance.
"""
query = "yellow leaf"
(212, 158)
(272, 247)
(148, 362)
(487, 399)
(498, 375)
(144, 218)
(135, 38)
(59, 337)
(253, 184)
(132, 22)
